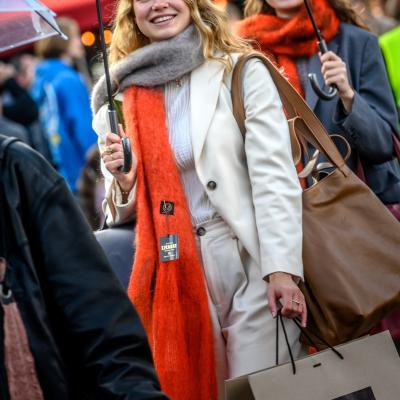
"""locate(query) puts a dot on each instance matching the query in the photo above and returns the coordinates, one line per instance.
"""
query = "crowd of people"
(217, 217)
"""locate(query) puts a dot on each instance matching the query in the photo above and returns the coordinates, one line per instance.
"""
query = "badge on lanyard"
(167, 207)
(169, 248)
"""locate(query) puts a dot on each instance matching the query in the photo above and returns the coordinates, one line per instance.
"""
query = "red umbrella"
(82, 11)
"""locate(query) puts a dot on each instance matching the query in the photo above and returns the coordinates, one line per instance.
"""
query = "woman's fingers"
(112, 149)
(333, 65)
(114, 156)
(334, 71)
(329, 56)
(294, 306)
(272, 301)
(112, 138)
(114, 165)
(291, 305)
(303, 314)
(337, 77)
(121, 131)
(282, 288)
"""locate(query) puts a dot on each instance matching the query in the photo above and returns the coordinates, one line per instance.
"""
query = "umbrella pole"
(323, 49)
(112, 114)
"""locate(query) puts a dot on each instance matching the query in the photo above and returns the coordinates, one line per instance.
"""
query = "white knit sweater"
(177, 104)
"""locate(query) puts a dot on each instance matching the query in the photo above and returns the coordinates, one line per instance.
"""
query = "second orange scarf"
(288, 39)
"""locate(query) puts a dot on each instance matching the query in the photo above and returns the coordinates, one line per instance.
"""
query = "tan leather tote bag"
(351, 242)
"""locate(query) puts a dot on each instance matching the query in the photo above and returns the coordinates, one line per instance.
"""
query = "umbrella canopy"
(82, 11)
(25, 21)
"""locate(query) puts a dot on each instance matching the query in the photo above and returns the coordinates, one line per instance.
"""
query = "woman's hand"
(334, 71)
(113, 158)
(282, 287)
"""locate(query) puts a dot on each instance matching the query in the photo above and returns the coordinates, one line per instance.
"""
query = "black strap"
(5, 143)
(277, 340)
(305, 333)
(288, 344)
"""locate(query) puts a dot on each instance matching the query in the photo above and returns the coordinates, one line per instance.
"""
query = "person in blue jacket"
(364, 112)
(63, 100)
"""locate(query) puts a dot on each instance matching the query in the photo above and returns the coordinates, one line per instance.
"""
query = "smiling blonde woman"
(218, 233)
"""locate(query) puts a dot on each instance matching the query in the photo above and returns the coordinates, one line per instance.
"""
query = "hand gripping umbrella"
(112, 114)
(323, 49)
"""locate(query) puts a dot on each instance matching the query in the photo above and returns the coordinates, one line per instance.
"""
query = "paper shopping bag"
(370, 370)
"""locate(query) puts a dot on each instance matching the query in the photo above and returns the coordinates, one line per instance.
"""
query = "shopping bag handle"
(296, 320)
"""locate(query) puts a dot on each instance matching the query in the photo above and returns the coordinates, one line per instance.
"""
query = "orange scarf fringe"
(170, 297)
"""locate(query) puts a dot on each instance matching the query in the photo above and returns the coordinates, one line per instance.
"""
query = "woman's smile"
(162, 19)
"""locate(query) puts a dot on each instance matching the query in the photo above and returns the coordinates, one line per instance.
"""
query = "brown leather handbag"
(351, 242)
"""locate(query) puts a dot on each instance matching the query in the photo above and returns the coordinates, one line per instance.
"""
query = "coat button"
(211, 185)
(201, 231)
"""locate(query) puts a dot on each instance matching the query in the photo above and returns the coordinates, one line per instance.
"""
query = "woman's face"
(161, 19)
(75, 47)
(285, 8)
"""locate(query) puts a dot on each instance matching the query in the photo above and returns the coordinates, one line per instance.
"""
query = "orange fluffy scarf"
(288, 39)
(171, 296)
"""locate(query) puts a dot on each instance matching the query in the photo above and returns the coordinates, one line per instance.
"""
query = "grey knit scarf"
(153, 65)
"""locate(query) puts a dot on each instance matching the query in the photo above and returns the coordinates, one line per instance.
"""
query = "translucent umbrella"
(25, 21)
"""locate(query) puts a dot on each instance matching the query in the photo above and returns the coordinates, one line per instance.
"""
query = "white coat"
(256, 188)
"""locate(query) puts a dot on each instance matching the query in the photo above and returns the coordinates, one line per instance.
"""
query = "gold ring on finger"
(296, 301)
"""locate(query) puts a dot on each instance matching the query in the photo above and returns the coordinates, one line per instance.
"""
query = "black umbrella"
(112, 114)
(323, 49)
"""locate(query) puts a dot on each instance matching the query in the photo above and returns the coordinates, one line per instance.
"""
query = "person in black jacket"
(19, 107)
(84, 334)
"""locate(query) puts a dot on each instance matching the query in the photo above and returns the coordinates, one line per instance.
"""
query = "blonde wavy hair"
(210, 21)
(343, 8)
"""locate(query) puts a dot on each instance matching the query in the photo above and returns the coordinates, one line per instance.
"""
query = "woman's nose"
(160, 4)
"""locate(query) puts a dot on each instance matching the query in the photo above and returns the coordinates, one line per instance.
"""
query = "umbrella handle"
(332, 90)
(126, 144)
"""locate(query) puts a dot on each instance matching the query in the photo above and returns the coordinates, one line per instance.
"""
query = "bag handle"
(5, 143)
(309, 125)
(296, 320)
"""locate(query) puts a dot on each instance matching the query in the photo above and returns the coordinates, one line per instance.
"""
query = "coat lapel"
(314, 66)
(205, 85)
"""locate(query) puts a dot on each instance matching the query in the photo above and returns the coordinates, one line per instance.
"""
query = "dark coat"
(85, 336)
(373, 118)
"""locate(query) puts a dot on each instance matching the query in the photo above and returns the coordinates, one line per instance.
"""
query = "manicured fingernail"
(274, 314)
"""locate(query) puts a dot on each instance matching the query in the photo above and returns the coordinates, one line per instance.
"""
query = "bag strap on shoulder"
(5, 143)
(308, 125)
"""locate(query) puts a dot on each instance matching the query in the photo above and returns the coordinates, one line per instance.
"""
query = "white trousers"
(244, 330)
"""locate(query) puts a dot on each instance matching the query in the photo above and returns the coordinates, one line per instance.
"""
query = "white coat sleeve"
(276, 191)
(116, 213)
